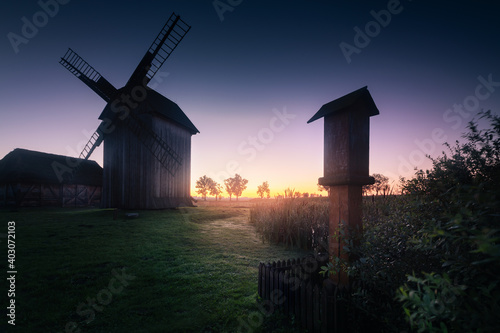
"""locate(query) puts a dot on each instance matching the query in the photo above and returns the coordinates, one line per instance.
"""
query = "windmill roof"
(163, 106)
(22, 165)
(346, 101)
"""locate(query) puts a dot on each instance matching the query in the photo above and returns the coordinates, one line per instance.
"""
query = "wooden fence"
(296, 288)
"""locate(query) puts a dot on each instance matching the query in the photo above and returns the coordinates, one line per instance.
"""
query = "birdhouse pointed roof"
(344, 102)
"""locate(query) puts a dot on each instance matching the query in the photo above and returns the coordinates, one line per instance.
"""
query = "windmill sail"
(82, 70)
(94, 142)
(164, 44)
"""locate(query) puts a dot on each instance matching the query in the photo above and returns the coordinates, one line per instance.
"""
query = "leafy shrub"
(431, 301)
(463, 237)
(441, 238)
(430, 256)
(385, 257)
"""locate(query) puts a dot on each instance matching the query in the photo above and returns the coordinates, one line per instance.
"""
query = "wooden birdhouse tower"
(346, 161)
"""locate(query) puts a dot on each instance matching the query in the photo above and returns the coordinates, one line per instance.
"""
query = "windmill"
(147, 137)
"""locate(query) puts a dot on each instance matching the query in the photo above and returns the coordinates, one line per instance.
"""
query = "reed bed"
(303, 222)
(294, 222)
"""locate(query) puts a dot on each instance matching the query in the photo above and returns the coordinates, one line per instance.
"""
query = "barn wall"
(3, 195)
(134, 179)
(81, 195)
(6, 196)
(55, 195)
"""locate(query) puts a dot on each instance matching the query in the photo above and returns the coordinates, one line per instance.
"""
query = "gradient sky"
(235, 71)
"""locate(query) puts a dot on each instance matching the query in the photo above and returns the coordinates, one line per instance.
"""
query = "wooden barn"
(34, 179)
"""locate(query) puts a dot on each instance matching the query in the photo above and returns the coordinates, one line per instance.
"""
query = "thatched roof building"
(32, 178)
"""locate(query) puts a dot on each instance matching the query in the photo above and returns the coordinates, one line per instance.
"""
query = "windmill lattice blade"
(164, 44)
(82, 70)
(94, 142)
(156, 145)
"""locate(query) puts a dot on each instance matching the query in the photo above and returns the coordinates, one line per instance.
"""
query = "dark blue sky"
(233, 76)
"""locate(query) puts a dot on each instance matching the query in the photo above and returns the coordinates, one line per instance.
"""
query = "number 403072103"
(11, 243)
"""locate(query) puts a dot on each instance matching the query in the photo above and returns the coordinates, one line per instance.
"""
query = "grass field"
(186, 270)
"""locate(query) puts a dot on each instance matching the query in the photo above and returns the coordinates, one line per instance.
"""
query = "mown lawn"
(185, 270)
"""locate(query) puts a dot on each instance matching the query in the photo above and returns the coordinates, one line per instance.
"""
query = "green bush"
(428, 260)
(463, 236)
(432, 255)
(385, 257)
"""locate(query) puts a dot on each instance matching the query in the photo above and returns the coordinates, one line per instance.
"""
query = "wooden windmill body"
(147, 137)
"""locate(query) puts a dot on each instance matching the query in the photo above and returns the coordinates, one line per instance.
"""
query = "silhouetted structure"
(346, 161)
(147, 137)
(27, 178)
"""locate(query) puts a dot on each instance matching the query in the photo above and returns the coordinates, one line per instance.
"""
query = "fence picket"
(259, 282)
(303, 304)
(297, 301)
(295, 287)
(267, 272)
(271, 282)
(286, 293)
(316, 309)
(309, 307)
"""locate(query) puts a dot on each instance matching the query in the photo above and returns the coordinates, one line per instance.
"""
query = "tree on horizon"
(204, 185)
(235, 186)
(381, 185)
(216, 190)
(264, 190)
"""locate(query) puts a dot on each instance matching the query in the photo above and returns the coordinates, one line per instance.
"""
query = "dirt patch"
(225, 203)
(208, 214)
(237, 224)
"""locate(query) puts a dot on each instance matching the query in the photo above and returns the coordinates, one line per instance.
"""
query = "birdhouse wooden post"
(346, 160)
